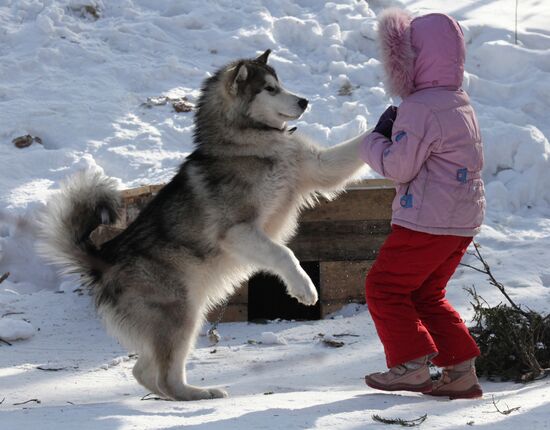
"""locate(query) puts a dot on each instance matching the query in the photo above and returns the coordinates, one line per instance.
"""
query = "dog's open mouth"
(289, 117)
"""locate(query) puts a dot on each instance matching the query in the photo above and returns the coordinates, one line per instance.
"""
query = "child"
(431, 148)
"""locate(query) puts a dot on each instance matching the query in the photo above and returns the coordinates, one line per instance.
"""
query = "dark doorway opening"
(268, 300)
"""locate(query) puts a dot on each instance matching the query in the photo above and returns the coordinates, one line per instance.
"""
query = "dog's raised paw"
(308, 299)
(305, 292)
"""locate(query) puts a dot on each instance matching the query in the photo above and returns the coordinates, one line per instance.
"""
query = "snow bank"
(12, 329)
(270, 338)
(508, 85)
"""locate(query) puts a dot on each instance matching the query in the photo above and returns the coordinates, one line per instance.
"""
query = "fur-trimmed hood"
(422, 52)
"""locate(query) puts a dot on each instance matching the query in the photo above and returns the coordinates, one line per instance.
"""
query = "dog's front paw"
(303, 290)
(190, 392)
(217, 393)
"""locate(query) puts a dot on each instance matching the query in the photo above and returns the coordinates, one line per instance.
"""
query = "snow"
(12, 329)
(270, 338)
(81, 84)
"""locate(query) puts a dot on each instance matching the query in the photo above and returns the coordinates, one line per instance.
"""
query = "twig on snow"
(333, 343)
(508, 410)
(399, 421)
(151, 396)
(345, 334)
(11, 313)
(516, 24)
(28, 401)
(4, 277)
(51, 369)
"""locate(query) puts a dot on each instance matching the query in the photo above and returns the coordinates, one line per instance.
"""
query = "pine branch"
(399, 421)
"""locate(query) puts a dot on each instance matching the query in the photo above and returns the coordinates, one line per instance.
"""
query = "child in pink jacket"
(430, 146)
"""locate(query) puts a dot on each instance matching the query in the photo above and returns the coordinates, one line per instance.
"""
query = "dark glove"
(385, 123)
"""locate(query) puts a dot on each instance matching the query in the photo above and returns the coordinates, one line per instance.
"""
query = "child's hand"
(385, 123)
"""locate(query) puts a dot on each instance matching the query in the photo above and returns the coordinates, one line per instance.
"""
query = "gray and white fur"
(226, 214)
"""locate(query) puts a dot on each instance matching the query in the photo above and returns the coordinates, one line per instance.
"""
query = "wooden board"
(343, 280)
(233, 313)
(340, 240)
(356, 204)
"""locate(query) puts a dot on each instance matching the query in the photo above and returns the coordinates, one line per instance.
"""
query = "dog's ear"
(241, 73)
(263, 58)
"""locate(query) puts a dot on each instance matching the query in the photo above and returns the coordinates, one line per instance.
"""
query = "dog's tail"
(85, 201)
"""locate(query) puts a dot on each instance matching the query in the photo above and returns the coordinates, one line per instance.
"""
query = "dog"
(226, 214)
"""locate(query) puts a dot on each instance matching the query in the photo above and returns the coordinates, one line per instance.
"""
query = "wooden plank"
(340, 240)
(365, 200)
(343, 280)
(233, 313)
(135, 192)
(241, 295)
(366, 184)
(143, 191)
(371, 183)
(354, 205)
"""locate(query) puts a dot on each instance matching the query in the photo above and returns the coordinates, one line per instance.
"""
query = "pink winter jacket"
(435, 154)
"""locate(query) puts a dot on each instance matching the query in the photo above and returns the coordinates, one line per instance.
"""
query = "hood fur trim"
(394, 33)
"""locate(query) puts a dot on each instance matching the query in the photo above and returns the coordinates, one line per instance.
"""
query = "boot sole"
(474, 392)
(426, 388)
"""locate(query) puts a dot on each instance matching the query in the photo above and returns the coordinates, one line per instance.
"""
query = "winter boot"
(458, 382)
(410, 376)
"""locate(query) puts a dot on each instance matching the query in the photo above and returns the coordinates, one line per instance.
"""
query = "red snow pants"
(405, 291)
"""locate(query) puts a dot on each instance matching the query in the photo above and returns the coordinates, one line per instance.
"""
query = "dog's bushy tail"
(85, 201)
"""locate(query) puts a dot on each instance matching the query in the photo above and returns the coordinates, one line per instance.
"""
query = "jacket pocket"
(470, 205)
(468, 208)
(409, 198)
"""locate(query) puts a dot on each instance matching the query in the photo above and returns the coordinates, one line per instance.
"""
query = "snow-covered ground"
(79, 84)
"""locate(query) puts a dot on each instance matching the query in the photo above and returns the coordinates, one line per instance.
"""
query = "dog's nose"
(303, 103)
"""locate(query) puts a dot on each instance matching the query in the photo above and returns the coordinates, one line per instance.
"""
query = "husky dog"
(226, 214)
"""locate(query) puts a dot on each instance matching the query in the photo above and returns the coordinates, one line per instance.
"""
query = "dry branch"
(492, 280)
(514, 342)
(508, 410)
(28, 401)
(4, 277)
(5, 341)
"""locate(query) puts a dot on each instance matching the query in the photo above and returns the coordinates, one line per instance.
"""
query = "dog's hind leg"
(171, 350)
(146, 372)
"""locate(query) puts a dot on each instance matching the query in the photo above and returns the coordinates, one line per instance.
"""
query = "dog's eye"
(270, 89)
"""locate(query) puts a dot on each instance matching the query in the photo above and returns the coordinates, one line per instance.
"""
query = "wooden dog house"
(336, 244)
